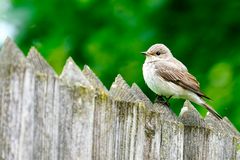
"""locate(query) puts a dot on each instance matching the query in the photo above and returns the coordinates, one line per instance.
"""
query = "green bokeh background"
(109, 35)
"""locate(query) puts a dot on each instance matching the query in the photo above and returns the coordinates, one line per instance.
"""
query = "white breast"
(158, 85)
(165, 88)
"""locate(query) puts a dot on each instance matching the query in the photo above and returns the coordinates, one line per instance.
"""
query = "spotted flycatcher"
(168, 77)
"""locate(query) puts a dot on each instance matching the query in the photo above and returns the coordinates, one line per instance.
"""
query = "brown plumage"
(167, 76)
(181, 78)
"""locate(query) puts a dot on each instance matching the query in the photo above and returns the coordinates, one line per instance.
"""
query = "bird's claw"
(163, 100)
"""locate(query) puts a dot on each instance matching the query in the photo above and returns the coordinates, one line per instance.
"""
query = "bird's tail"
(211, 110)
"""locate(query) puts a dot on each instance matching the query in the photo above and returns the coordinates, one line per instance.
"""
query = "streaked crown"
(161, 48)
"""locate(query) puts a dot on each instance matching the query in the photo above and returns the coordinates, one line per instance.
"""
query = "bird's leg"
(159, 99)
(168, 98)
(164, 100)
(167, 101)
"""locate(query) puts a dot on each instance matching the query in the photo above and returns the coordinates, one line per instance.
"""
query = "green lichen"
(41, 76)
(238, 147)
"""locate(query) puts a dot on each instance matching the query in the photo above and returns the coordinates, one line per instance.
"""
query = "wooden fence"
(73, 116)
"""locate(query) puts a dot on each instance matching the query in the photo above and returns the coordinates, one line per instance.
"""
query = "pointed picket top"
(165, 112)
(120, 90)
(190, 116)
(139, 94)
(229, 127)
(214, 123)
(10, 54)
(72, 73)
(93, 79)
(39, 63)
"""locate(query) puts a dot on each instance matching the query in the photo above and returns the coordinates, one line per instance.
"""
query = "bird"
(169, 78)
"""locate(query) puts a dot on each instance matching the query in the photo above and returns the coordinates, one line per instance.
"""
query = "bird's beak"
(144, 53)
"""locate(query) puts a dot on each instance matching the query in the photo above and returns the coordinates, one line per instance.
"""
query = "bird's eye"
(158, 53)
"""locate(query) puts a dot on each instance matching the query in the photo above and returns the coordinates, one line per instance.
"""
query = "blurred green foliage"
(109, 35)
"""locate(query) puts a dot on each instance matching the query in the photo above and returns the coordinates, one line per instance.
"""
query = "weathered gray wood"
(120, 90)
(11, 55)
(16, 104)
(46, 108)
(130, 121)
(163, 131)
(237, 147)
(218, 137)
(196, 134)
(142, 108)
(72, 74)
(165, 134)
(206, 137)
(77, 112)
(104, 119)
(104, 122)
(229, 126)
(149, 128)
(140, 96)
(94, 80)
(74, 116)
(233, 138)
(39, 63)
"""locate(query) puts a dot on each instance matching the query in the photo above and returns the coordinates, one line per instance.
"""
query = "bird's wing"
(180, 65)
(180, 78)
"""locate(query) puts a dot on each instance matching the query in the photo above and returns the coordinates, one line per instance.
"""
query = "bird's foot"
(159, 99)
(167, 99)
(163, 100)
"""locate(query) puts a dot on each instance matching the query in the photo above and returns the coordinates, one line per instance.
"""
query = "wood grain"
(73, 116)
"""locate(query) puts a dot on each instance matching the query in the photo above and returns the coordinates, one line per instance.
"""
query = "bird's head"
(157, 51)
